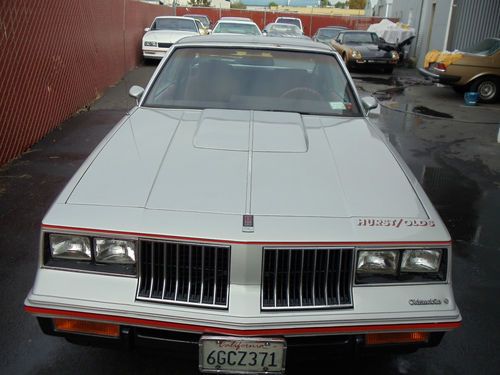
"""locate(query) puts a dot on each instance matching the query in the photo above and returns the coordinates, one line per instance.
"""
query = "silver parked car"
(246, 205)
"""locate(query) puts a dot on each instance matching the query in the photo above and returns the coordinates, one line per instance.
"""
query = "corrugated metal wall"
(472, 21)
(56, 56)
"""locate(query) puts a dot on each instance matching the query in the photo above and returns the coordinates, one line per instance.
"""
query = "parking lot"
(452, 149)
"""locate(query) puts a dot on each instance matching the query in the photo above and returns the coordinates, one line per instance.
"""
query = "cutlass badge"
(247, 223)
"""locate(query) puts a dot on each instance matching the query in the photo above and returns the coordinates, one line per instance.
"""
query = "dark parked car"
(326, 34)
(362, 48)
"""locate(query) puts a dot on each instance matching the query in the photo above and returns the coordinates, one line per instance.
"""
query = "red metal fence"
(56, 56)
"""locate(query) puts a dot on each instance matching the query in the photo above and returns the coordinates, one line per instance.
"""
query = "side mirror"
(146, 29)
(264, 33)
(369, 103)
(136, 93)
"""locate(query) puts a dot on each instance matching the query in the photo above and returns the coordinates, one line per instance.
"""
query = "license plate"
(242, 355)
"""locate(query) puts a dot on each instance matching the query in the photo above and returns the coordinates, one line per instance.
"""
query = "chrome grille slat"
(183, 273)
(306, 278)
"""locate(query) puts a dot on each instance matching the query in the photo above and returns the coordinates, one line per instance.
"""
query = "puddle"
(456, 198)
(420, 109)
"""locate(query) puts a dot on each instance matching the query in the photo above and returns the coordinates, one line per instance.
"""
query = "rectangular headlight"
(378, 261)
(421, 260)
(67, 246)
(115, 251)
(150, 44)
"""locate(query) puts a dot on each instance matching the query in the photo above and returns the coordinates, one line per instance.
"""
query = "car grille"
(306, 278)
(182, 273)
(165, 45)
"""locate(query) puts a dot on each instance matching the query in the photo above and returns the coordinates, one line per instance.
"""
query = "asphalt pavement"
(455, 157)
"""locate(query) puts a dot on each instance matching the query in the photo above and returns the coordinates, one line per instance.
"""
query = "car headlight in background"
(394, 55)
(114, 251)
(356, 54)
(90, 254)
(421, 261)
(149, 43)
(63, 246)
(378, 261)
(400, 265)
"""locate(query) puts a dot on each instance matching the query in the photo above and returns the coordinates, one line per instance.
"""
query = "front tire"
(487, 88)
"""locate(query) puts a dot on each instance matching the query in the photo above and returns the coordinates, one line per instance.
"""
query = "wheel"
(302, 93)
(388, 69)
(487, 88)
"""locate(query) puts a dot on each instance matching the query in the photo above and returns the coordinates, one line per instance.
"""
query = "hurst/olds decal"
(395, 223)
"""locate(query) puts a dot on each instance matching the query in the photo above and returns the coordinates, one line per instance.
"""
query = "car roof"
(235, 40)
(167, 17)
(335, 27)
(243, 22)
(235, 19)
(357, 31)
(288, 18)
(194, 14)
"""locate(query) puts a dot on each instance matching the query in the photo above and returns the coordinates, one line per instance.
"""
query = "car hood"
(235, 162)
(167, 36)
(369, 50)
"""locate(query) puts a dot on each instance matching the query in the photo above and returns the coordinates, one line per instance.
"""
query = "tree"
(238, 5)
(324, 3)
(340, 4)
(272, 4)
(200, 3)
(357, 4)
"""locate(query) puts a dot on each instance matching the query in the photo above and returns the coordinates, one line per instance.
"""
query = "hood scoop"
(245, 130)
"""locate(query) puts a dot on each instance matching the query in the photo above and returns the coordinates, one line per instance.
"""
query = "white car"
(234, 26)
(246, 207)
(164, 32)
(291, 20)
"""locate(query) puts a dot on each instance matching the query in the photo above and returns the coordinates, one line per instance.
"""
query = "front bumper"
(317, 346)
(154, 54)
(439, 77)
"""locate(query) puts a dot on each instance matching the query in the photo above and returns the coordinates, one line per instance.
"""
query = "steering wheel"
(300, 92)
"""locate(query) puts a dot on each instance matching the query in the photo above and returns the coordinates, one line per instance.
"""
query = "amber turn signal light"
(86, 327)
(396, 338)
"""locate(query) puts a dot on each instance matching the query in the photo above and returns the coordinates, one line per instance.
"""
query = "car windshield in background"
(286, 29)
(253, 79)
(292, 21)
(362, 37)
(174, 24)
(329, 33)
(236, 28)
(486, 47)
(203, 19)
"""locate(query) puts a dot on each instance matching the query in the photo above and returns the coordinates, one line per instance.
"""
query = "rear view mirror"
(369, 103)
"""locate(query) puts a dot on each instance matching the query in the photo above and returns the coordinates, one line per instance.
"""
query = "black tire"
(487, 87)
(388, 69)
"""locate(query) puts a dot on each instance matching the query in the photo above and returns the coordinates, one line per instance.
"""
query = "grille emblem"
(247, 223)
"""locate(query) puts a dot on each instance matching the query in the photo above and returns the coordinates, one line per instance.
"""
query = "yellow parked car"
(475, 69)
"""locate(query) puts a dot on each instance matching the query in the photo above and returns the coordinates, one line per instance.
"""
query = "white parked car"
(234, 26)
(291, 20)
(165, 31)
(246, 205)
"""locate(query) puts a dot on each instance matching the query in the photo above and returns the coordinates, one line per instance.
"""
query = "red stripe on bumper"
(236, 332)
(211, 240)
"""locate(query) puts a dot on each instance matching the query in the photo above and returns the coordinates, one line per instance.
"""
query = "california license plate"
(242, 355)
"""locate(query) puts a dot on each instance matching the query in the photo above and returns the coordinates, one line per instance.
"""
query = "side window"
(340, 37)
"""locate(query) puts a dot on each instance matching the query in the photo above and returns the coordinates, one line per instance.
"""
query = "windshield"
(203, 19)
(284, 28)
(174, 24)
(292, 21)
(236, 28)
(485, 48)
(329, 33)
(361, 37)
(253, 79)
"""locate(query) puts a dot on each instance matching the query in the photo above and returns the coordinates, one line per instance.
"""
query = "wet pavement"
(457, 161)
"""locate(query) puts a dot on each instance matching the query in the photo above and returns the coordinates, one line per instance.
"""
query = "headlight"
(149, 43)
(378, 261)
(421, 261)
(63, 246)
(356, 54)
(394, 55)
(114, 251)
